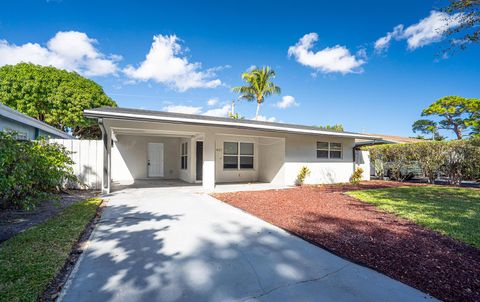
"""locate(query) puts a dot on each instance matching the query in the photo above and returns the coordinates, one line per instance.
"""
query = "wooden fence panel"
(88, 158)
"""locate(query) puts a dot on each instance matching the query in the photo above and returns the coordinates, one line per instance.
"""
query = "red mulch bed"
(443, 267)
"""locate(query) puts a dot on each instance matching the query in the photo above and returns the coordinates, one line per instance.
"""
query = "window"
(184, 156)
(18, 135)
(335, 150)
(322, 150)
(329, 150)
(237, 155)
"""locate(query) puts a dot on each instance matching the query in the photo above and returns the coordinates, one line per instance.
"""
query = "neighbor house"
(144, 144)
(26, 127)
(387, 139)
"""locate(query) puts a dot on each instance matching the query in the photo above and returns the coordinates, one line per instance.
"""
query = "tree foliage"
(258, 85)
(457, 160)
(469, 18)
(427, 127)
(336, 127)
(54, 96)
(456, 114)
(30, 170)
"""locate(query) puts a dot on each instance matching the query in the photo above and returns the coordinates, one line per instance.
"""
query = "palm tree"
(258, 86)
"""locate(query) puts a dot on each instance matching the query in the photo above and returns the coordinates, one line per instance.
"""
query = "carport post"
(107, 162)
(208, 181)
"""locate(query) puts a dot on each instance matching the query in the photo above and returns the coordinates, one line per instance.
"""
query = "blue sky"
(336, 74)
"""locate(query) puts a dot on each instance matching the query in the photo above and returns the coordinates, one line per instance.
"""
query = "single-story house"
(145, 144)
(26, 127)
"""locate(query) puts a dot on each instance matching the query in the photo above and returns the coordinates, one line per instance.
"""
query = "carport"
(150, 152)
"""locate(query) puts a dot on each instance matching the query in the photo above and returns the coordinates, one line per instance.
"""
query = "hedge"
(30, 171)
(458, 160)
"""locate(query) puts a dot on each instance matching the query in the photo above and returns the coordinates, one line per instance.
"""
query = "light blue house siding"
(26, 127)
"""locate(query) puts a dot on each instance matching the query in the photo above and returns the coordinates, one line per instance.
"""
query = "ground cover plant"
(31, 259)
(454, 212)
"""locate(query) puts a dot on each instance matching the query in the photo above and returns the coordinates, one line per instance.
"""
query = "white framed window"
(238, 155)
(184, 156)
(329, 150)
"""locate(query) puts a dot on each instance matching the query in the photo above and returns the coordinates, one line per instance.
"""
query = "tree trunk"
(457, 132)
(258, 110)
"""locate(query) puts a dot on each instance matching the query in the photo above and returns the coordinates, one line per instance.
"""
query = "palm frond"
(258, 84)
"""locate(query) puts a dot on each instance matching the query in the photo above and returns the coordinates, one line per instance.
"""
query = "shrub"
(459, 160)
(388, 157)
(30, 171)
(356, 176)
(378, 159)
(302, 174)
(462, 162)
(430, 156)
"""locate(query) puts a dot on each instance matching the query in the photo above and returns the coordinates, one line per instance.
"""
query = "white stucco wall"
(271, 160)
(129, 157)
(301, 150)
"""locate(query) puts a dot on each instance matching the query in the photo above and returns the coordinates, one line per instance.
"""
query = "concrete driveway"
(173, 244)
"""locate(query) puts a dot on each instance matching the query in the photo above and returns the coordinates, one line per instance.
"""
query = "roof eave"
(19, 117)
(103, 114)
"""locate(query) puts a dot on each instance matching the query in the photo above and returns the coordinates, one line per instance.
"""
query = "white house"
(144, 144)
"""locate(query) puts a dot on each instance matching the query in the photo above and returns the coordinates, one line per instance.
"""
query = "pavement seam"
(296, 283)
(253, 269)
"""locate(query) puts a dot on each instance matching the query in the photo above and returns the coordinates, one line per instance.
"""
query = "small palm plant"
(258, 86)
(356, 176)
(302, 174)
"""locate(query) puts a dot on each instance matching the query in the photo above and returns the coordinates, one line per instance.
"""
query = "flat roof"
(195, 119)
(19, 117)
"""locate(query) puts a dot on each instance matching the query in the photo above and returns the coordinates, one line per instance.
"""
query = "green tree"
(457, 114)
(258, 86)
(336, 127)
(54, 96)
(468, 12)
(427, 127)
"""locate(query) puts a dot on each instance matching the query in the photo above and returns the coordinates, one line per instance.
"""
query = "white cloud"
(220, 112)
(287, 101)
(428, 30)
(183, 109)
(212, 101)
(70, 50)
(328, 60)
(164, 64)
(265, 119)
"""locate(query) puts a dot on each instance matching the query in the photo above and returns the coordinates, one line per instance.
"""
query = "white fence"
(88, 158)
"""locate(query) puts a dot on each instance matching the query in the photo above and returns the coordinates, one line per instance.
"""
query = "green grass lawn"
(451, 211)
(30, 260)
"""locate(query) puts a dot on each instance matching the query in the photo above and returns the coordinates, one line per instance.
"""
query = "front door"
(199, 164)
(155, 159)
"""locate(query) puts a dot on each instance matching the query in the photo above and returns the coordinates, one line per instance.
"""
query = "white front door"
(155, 159)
